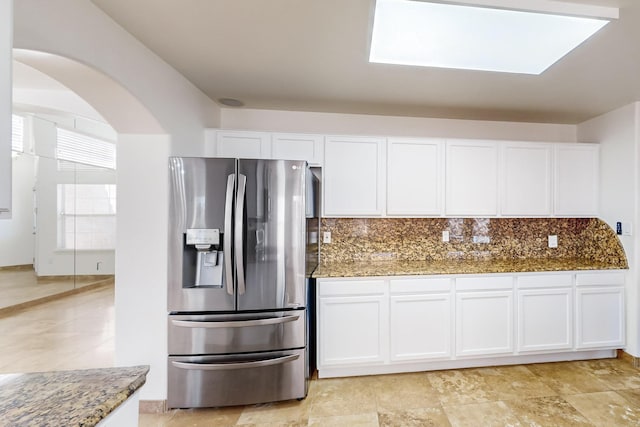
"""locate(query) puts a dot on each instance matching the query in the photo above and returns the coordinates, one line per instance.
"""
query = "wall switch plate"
(326, 237)
(618, 228)
(553, 241)
(626, 229)
(445, 236)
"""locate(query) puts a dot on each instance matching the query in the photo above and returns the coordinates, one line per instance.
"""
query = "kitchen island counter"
(66, 398)
(460, 266)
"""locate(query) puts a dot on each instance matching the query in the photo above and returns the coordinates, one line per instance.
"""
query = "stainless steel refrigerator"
(242, 244)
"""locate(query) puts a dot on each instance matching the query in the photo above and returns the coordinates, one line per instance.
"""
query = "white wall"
(141, 258)
(362, 124)
(618, 135)
(16, 234)
(6, 25)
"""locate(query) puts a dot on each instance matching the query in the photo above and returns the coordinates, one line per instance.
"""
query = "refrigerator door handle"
(228, 217)
(240, 365)
(234, 323)
(239, 235)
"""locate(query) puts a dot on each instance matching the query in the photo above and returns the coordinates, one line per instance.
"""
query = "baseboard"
(633, 361)
(13, 309)
(23, 267)
(153, 406)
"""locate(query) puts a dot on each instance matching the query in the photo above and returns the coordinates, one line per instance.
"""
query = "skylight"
(430, 34)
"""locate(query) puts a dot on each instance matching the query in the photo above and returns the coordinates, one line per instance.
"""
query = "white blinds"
(76, 147)
(17, 133)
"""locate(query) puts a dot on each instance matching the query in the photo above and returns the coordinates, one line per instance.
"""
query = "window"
(80, 148)
(86, 216)
(17, 133)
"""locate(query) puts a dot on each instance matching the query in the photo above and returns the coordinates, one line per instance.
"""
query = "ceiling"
(311, 55)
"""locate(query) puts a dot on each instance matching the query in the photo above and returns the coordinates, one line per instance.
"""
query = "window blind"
(17, 133)
(76, 147)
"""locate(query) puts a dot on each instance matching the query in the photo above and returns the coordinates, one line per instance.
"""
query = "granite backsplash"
(407, 239)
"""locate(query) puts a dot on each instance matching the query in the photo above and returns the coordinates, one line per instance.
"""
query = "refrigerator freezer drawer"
(236, 333)
(208, 381)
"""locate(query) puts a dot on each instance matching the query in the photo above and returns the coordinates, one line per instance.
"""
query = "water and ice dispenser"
(203, 258)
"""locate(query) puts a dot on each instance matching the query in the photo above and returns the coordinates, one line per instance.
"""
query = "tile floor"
(77, 332)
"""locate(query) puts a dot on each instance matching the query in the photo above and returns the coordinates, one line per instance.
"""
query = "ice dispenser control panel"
(203, 236)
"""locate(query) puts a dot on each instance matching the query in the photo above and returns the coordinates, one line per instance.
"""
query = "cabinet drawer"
(419, 286)
(613, 278)
(484, 283)
(351, 287)
(544, 281)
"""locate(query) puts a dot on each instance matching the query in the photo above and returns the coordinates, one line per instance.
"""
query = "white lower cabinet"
(545, 312)
(352, 323)
(403, 324)
(600, 314)
(420, 319)
(484, 316)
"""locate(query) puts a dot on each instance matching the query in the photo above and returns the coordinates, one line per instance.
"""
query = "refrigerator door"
(238, 379)
(236, 332)
(270, 234)
(202, 194)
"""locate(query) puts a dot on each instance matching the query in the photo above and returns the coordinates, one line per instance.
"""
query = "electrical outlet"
(445, 236)
(553, 241)
(326, 237)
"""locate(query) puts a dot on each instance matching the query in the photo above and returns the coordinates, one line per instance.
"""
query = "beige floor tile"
(617, 374)
(490, 414)
(606, 409)
(404, 391)
(289, 411)
(460, 387)
(343, 396)
(418, 417)
(154, 420)
(514, 382)
(568, 378)
(631, 395)
(204, 417)
(547, 411)
(359, 420)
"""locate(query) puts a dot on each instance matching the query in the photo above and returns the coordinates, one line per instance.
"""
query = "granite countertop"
(458, 266)
(66, 398)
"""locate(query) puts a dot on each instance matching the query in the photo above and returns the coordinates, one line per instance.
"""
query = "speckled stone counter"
(464, 266)
(66, 398)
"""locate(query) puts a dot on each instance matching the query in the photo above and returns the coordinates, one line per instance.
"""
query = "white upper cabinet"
(526, 179)
(471, 178)
(576, 179)
(241, 144)
(353, 176)
(415, 176)
(291, 146)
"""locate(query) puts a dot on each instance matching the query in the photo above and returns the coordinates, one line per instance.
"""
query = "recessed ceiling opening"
(488, 35)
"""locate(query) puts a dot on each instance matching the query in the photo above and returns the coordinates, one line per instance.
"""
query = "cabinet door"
(471, 178)
(291, 146)
(6, 31)
(600, 317)
(414, 176)
(526, 179)
(484, 323)
(352, 330)
(545, 319)
(576, 179)
(353, 176)
(420, 326)
(241, 144)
